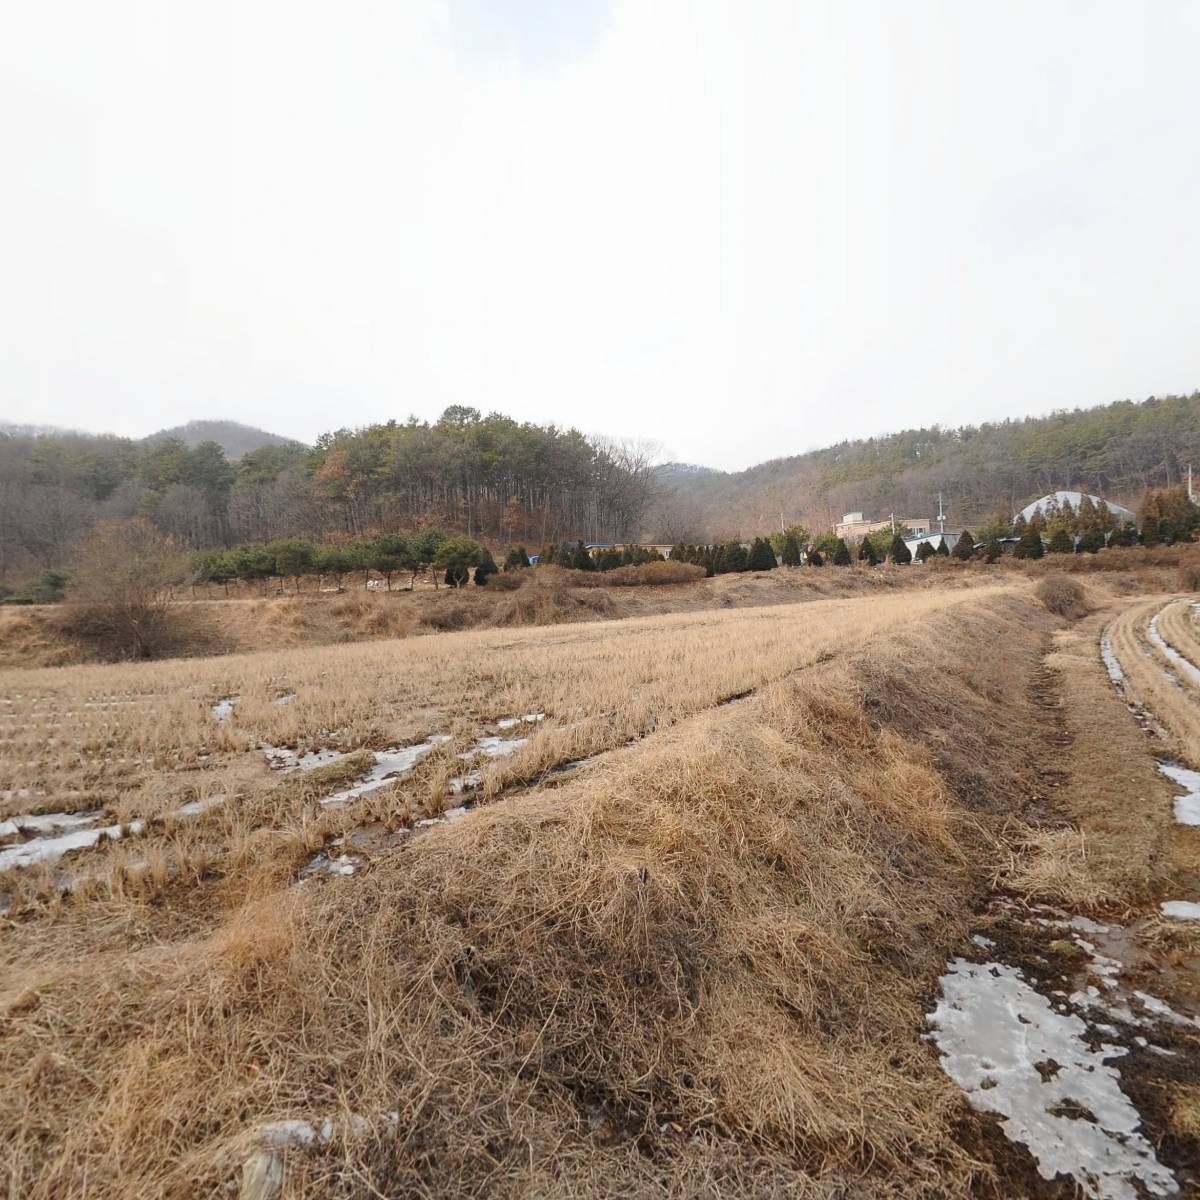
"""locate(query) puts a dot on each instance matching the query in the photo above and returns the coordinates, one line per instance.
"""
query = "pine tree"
(1090, 541)
(1029, 545)
(964, 548)
(900, 552)
(841, 555)
(815, 558)
(565, 557)
(486, 566)
(992, 550)
(762, 557)
(734, 556)
(581, 560)
(791, 551)
(866, 553)
(1151, 536)
(516, 558)
(1061, 543)
(924, 551)
(1125, 536)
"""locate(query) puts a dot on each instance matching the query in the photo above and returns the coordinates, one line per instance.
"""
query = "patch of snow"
(451, 814)
(43, 823)
(288, 1135)
(1111, 665)
(1187, 805)
(1161, 1009)
(985, 943)
(323, 864)
(193, 808)
(527, 719)
(496, 747)
(286, 699)
(280, 758)
(48, 849)
(993, 1031)
(1181, 910)
(388, 764)
(223, 709)
(1188, 667)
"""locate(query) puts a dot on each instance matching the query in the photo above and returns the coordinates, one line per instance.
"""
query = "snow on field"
(40, 824)
(1181, 910)
(223, 709)
(1015, 1056)
(48, 849)
(388, 764)
(1185, 665)
(1187, 805)
(527, 719)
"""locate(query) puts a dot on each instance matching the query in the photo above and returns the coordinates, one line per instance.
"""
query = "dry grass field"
(652, 905)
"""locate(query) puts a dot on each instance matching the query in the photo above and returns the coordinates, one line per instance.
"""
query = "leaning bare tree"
(121, 586)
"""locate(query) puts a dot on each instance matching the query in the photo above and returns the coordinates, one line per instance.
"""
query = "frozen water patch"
(40, 824)
(527, 719)
(388, 765)
(1181, 910)
(1111, 665)
(451, 814)
(1187, 805)
(193, 808)
(49, 849)
(325, 864)
(1186, 665)
(280, 758)
(994, 1032)
(223, 709)
(496, 747)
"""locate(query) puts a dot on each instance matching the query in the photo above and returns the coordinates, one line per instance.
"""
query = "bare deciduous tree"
(121, 586)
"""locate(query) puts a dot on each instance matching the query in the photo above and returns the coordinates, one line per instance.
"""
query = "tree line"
(492, 478)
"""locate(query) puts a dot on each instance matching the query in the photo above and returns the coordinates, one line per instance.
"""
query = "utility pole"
(941, 515)
(893, 516)
(782, 527)
(1191, 494)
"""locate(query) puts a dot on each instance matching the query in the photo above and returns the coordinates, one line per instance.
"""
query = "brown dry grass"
(699, 968)
(40, 636)
(105, 728)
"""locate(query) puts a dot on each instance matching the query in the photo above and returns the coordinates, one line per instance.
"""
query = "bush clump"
(1063, 596)
(645, 574)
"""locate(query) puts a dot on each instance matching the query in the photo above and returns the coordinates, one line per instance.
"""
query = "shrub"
(121, 587)
(1189, 577)
(653, 573)
(1063, 596)
(486, 569)
(507, 582)
(841, 554)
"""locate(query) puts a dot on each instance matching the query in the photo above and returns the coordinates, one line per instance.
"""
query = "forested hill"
(234, 438)
(1116, 451)
(490, 477)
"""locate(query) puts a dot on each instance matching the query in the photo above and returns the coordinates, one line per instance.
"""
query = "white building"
(1056, 499)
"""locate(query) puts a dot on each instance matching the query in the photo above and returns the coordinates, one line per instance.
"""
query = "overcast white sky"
(740, 229)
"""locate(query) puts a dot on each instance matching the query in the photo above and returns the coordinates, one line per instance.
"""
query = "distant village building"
(1055, 500)
(854, 527)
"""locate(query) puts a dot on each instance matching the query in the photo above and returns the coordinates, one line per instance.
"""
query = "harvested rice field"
(891, 894)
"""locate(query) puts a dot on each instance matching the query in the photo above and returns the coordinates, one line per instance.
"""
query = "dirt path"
(1075, 1017)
